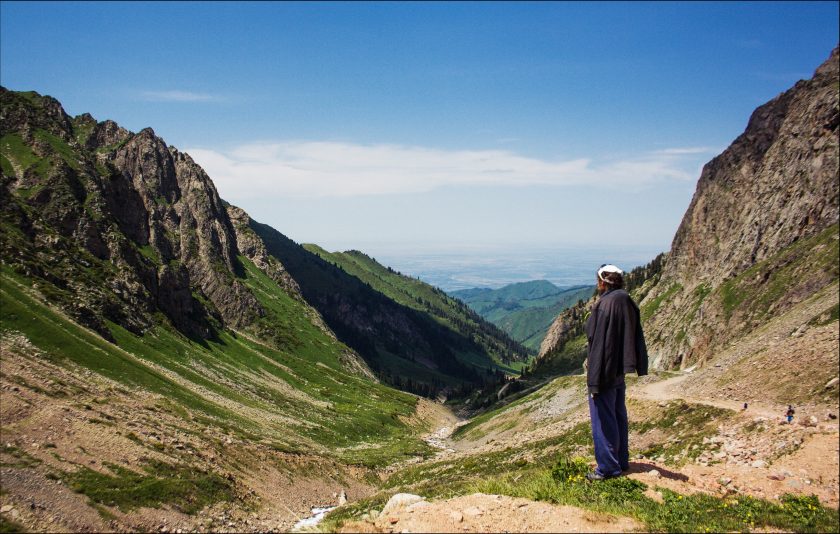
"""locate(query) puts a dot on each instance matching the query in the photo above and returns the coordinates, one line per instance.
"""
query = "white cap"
(608, 268)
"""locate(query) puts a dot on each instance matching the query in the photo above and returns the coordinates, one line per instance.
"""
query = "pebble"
(6, 508)
(457, 516)
(655, 473)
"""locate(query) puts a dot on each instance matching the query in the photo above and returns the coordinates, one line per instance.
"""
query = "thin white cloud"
(176, 96)
(312, 168)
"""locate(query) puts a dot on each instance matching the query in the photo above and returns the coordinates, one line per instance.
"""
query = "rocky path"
(668, 390)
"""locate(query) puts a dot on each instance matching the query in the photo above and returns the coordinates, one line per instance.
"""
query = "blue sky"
(431, 126)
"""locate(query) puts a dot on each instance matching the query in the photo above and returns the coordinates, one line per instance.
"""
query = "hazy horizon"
(494, 267)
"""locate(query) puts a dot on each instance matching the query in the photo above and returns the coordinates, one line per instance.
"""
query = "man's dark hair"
(614, 280)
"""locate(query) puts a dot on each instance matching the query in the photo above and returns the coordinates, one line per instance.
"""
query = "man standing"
(616, 346)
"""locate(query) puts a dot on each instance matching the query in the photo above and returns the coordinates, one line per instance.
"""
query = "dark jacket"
(616, 341)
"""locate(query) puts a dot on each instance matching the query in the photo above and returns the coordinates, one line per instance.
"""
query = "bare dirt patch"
(480, 512)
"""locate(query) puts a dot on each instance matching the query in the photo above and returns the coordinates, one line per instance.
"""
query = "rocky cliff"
(760, 234)
(775, 184)
(759, 237)
(122, 224)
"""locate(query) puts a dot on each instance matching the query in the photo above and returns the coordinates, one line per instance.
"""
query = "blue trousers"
(608, 414)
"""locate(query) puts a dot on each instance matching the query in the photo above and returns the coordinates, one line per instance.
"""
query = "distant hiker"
(745, 405)
(616, 346)
(789, 414)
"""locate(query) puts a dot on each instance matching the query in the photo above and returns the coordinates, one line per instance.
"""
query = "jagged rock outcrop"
(127, 199)
(759, 236)
(567, 325)
(775, 184)
(252, 247)
(760, 233)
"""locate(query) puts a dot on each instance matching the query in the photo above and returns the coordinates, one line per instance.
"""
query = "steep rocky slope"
(760, 234)
(120, 224)
(120, 228)
(759, 237)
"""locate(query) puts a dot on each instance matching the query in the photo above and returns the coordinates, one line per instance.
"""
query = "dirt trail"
(665, 390)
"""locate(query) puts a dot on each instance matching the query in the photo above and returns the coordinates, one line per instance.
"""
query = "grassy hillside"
(165, 422)
(405, 346)
(415, 294)
(524, 310)
(298, 398)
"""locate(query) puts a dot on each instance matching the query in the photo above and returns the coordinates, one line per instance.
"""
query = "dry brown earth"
(492, 513)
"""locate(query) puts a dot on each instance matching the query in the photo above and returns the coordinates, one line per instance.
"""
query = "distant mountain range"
(523, 310)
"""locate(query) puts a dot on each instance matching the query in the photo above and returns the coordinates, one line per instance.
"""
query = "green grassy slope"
(297, 398)
(404, 346)
(428, 299)
(524, 310)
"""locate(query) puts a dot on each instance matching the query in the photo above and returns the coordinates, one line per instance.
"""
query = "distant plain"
(452, 270)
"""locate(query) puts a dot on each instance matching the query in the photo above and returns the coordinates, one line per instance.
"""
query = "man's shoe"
(594, 475)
